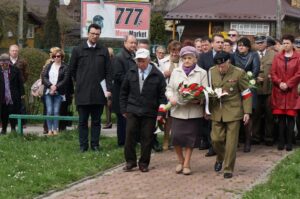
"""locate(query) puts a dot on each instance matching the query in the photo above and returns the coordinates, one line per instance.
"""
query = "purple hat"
(188, 50)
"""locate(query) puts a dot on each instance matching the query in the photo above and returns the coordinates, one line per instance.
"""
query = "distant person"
(160, 53)
(228, 46)
(142, 91)
(121, 64)
(88, 72)
(11, 90)
(233, 35)
(22, 65)
(285, 101)
(55, 79)
(197, 44)
(205, 44)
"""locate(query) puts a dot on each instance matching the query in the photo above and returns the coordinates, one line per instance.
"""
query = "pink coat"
(290, 74)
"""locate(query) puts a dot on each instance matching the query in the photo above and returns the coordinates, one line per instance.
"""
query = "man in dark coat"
(123, 60)
(142, 91)
(206, 61)
(90, 66)
(11, 91)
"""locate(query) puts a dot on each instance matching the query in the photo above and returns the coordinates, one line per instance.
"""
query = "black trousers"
(84, 111)
(145, 126)
(121, 129)
(6, 110)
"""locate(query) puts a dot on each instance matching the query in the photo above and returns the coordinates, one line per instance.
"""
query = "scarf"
(7, 93)
(188, 70)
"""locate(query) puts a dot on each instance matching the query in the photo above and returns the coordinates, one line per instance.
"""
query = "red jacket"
(290, 74)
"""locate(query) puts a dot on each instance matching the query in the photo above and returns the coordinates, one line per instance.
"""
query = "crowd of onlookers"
(133, 83)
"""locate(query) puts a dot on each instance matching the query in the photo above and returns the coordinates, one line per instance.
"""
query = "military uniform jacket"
(233, 106)
(265, 87)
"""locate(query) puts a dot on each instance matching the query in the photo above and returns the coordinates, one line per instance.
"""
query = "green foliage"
(283, 183)
(52, 30)
(157, 29)
(33, 165)
(36, 59)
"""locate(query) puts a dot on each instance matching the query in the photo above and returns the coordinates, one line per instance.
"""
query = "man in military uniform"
(227, 110)
(262, 116)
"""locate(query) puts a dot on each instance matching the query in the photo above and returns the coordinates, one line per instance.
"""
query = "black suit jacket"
(206, 60)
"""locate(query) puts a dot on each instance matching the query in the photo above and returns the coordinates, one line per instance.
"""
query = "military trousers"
(224, 137)
(262, 118)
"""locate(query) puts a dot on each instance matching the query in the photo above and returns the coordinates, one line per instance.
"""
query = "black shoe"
(268, 143)
(203, 146)
(83, 149)
(108, 126)
(157, 147)
(3, 132)
(280, 147)
(95, 148)
(247, 148)
(143, 169)
(218, 166)
(129, 167)
(210, 152)
(227, 175)
(289, 147)
(255, 142)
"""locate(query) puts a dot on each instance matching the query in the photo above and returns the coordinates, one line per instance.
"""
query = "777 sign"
(117, 19)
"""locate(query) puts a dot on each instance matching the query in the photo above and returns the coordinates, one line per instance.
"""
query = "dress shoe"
(227, 175)
(95, 148)
(129, 167)
(108, 126)
(143, 169)
(179, 168)
(203, 146)
(280, 147)
(218, 166)
(157, 147)
(210, 152)
(83, 149)
(186, 171)
(289, 147)
(247, 148)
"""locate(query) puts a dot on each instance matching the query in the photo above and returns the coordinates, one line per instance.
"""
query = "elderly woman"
(248, 60)
(285, 74)
(186, 118)
(54, 78)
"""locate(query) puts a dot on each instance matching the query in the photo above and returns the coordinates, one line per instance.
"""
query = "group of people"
(133, 84)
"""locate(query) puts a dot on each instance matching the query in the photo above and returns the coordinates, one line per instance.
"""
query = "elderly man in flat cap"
(262, 129)
(11, 90)
(227, 110)
(142, 91)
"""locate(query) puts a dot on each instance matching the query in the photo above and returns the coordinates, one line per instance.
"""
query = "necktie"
(143, 76)
(261, 54)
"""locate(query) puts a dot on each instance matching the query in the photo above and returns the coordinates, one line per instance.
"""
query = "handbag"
(37, 88)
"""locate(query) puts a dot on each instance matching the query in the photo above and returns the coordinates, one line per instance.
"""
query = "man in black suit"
(90, 66)
(121, 64)
(11, 90)
(205, 61)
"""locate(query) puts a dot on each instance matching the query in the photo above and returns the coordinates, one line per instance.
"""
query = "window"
(30, 31)
(248, 28)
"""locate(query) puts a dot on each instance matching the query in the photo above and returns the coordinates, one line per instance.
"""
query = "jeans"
(53, 103)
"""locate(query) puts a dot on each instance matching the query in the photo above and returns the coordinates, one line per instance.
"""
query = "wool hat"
(142, 53)
(4, 58)
(221, 57)
(188, 50)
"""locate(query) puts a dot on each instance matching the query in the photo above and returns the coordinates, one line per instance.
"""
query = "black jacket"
(206, 60)
(90, 66)
(143, 103)
(63, 77)
(121, 64)
(249, 62)
(16, 86)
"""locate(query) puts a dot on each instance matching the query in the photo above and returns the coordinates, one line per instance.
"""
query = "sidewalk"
(161, 182)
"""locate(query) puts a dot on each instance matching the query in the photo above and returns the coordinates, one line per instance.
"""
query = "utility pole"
(278, 19)
(20, 25)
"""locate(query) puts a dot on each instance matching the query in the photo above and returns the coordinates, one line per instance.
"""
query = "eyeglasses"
(96, 34)
(232, 35)
(56, 56)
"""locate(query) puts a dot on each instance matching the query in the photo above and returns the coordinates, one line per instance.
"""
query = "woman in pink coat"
(285, 101)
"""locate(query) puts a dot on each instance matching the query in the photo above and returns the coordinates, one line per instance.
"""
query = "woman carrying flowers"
(186, 114)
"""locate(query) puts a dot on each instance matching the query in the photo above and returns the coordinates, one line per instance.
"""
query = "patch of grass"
(32, 165)
(283, 183)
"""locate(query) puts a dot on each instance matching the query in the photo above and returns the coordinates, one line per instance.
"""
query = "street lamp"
(180, 29)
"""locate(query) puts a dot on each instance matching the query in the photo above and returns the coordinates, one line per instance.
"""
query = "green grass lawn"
(284, 182)
(31, 165)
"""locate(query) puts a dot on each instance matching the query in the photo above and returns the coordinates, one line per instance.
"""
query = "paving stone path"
(161, 182)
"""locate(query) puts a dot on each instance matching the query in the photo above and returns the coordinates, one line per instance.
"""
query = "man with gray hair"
(143, 90)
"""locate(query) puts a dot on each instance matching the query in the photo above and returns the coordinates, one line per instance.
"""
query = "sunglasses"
(56, 56)
(232, 35)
